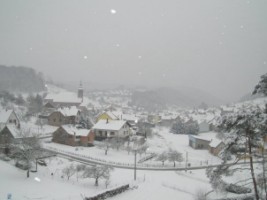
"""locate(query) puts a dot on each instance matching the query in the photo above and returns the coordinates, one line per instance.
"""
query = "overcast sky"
(219, 46)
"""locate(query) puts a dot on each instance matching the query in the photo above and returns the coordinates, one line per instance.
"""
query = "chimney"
(107, 120)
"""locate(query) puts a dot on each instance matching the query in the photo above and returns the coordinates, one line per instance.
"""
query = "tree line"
(22, 79)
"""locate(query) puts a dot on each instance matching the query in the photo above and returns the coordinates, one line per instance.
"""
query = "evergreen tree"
(261, 87)
(245, 128)
(182, 127)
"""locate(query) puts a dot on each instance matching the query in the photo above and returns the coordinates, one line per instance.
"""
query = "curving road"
(88, 161)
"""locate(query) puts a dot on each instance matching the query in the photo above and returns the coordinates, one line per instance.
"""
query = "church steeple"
(80, 91)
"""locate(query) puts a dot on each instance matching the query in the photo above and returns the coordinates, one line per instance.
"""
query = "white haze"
(217, 46)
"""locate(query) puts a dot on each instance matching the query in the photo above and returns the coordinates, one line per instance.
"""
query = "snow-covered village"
(142, 100)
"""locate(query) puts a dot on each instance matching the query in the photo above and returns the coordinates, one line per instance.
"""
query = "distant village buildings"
(214, 146)
(70, 135)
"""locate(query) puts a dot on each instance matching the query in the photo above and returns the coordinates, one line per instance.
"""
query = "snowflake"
(112, 11)
(85, 57)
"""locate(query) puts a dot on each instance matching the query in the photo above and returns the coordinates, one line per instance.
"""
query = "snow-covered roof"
(67, 97)
(126, 117)
(72, 130)
(214, 143)
(205, 136)
(14, 131)
(112, 115)
(2, 126)
(113, 125)
(4, 115)
(200, 137)
(69, 111)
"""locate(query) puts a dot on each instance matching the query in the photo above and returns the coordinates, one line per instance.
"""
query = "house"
(204, 127)
(153, 119)
(167, 120)
(70, 135)
(65, 99)
(66, 115)
(131, 119)
(215, 146)
(198, 142)
(208, 142)
(111, 128)
(107, 115)
(9, 117)
(8, 133)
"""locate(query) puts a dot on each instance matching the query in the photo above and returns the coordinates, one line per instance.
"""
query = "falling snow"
(85, 57)
(112, 11)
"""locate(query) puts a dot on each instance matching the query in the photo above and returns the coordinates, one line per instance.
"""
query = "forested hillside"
(22, 79)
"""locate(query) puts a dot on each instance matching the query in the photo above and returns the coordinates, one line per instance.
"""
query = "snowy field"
(155, 185)
(149, 184)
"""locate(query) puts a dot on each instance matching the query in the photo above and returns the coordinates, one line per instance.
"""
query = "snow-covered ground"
(149, 184)
(161, 141)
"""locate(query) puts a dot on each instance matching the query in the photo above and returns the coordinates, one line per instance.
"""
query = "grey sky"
(219, 46)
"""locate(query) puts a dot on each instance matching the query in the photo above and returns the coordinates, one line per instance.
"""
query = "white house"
(8, 117)
(111, 128)
(204, 127)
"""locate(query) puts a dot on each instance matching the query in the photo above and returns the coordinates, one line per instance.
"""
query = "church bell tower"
(80, 91)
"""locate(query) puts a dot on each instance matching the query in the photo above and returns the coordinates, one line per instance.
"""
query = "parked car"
(41, 162)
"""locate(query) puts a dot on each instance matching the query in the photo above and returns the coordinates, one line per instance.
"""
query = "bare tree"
(162, 157)
(97, 172)
(128, 149)
(105, 145)
(79, 169)
(26, 149)
(116, 143)
(107, 181)
(174, 156)
(142, 148)
(69, 171)
(201, 195)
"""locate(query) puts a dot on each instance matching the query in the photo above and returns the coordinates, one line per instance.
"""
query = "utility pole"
(135, 164)
(186, 159)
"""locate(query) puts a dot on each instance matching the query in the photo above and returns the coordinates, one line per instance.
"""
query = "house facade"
(70, 135)
(111, 128)
(107, 116)
(204, 127)
(64, 116)
(8, 134)
(215, 147)
(197, 142)
(65, 99)
(8, 117)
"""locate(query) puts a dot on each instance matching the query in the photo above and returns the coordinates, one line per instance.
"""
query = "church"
(65, 99)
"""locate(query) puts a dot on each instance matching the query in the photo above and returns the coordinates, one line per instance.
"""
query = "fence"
(109, 193)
